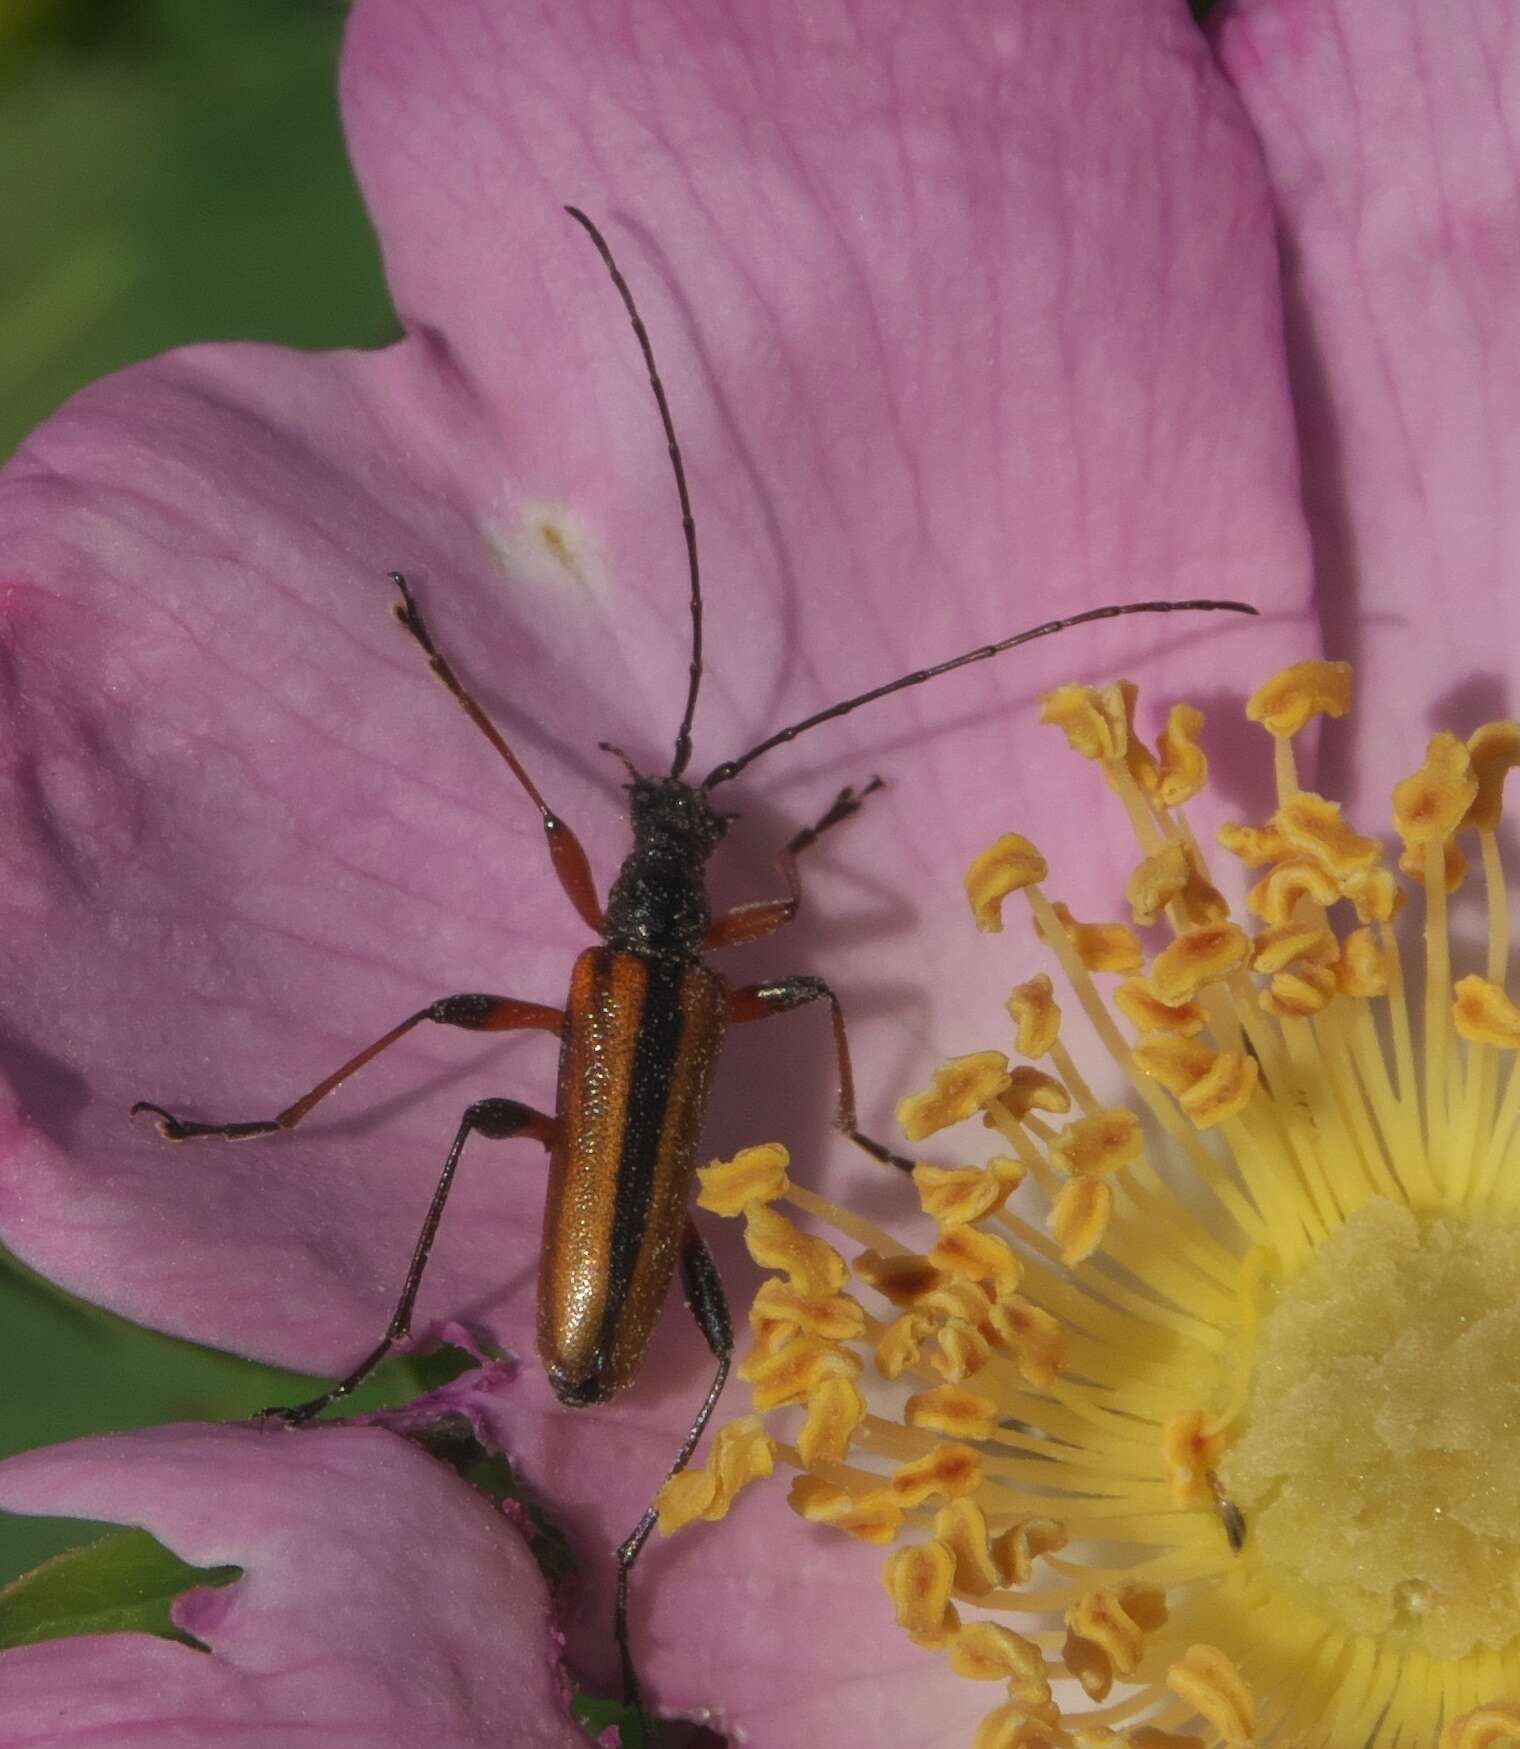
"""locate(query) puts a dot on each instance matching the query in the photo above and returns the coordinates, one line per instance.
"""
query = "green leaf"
(124, 1583)
(596, 1714)
(71, 1369)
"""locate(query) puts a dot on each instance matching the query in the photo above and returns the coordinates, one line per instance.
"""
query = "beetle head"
(666, 810)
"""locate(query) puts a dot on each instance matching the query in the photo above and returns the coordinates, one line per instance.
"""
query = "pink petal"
(348, 1627)
(968, 317)
(251, 833)
(1390, 129)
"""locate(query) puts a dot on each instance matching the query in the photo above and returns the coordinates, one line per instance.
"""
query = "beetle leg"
(475, 1013)
(764, 917)
(497, 1119)
(780, 996)
(565, 851)
(703, 1287)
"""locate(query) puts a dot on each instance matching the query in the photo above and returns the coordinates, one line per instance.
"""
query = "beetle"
(640, 1036)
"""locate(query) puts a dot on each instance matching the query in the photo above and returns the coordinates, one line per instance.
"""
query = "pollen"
(1183, 769)
(1033, 1009)
(1484, 1015)
(753, 1175)
(1146, 1012)
(1290, 700)
(960, 1195)
(1228, 1084)
(873, 1517)
(1094, 720)
(1102, 947)
(1429, 806)
(1008, 867)
(1191, 1445)
(1494, 751)
(1153, 886)
(961, 1088)
(1105, 1634)
(812, 1266)
(1181, 1397)
(1314, 828)
(779, 1313)
(1094, 1146)
(744, 1452)
(1080, 1219)
(1197, 958)
(918, 1580)
(949, 1410)
(986, 1651)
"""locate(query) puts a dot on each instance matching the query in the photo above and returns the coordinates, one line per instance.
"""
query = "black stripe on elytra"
(661, 1026)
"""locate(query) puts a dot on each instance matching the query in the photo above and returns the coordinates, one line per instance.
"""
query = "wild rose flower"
(345, 1625)
(1348, 1417)
(1259, 1393)
(972, 315)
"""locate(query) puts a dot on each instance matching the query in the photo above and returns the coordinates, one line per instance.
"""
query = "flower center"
(1227, 1441)
(1386, 1390)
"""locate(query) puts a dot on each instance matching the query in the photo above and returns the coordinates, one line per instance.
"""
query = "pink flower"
(969, 317)
(347, 1627)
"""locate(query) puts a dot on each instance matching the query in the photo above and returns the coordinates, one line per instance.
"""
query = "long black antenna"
(688, 523)
(732, 767)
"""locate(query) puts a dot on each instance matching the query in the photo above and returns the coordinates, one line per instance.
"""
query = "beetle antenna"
(688, 522)
(732, 767)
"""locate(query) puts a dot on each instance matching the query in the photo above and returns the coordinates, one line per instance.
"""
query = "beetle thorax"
(658, 903)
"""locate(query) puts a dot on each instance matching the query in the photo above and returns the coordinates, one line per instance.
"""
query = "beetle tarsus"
(177, 1129)
(880, 1151)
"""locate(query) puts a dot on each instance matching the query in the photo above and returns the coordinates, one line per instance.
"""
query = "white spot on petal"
(548, 545)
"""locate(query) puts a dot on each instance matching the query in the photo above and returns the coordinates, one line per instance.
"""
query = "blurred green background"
(170, 170)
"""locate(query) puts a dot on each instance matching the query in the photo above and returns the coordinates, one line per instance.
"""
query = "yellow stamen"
(1033, 1008)
(1080, 1218)
(1245, 1335)
(1146, 1012)
(743, 1453)
(813, 1267)
(1106, 1632)
(1483, 1014)
(1102, 947)
(949, 1410)
(1200, 957)
(967, 1251)
(871, 1518)
(1290, 700)
(1010, 865)
(918, 1580)
(796, 1371)
(835, 1408)
(1094, 720)
(962, 1087)
(1314, 828)
(753, 1175)
(955, 1196)
(1210, 1682)
(1487, 1727)
(1183, 769)
(985, 1651)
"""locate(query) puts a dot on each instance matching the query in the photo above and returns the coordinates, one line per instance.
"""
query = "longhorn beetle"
(640, 1035)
